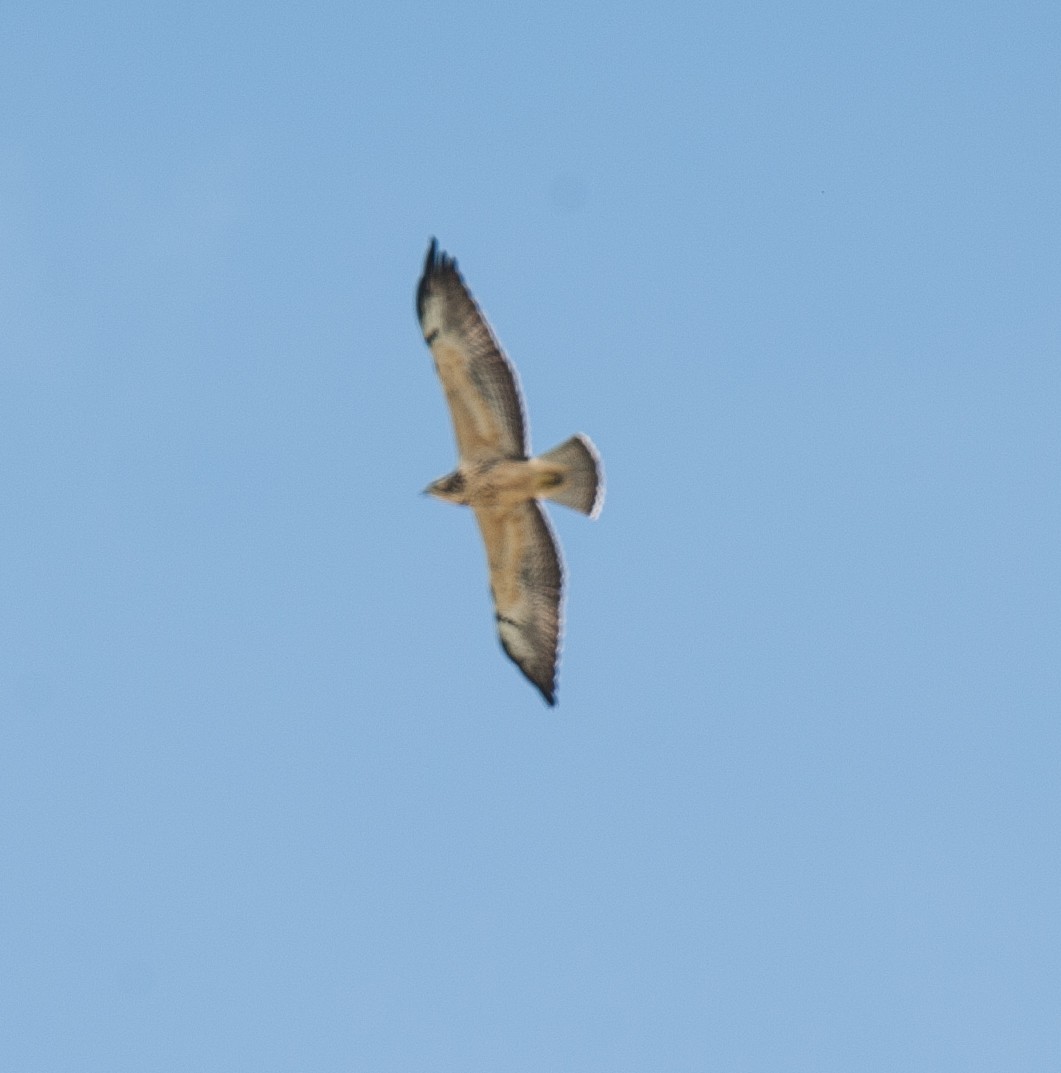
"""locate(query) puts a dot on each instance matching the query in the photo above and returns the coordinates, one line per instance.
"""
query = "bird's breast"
(501, 483)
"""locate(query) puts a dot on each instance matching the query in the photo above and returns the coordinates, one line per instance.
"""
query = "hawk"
(497, 476)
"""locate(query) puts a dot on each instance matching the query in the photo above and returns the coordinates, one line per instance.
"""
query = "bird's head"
(450, 487)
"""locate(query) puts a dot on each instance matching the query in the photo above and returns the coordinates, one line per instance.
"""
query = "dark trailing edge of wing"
(436, 263)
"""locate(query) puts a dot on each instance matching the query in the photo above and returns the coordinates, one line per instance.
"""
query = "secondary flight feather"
(497, 476)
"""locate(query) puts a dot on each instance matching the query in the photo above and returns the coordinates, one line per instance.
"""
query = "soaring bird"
(496, 474)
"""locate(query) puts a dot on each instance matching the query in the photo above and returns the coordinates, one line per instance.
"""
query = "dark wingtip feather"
(546, 688)
(435, 263)
(429, 267)
(548, 692)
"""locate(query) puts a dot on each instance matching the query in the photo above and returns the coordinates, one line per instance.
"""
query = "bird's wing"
(481, 386)
(526, 579)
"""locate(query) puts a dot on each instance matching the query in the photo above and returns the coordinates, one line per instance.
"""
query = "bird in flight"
(497, 476)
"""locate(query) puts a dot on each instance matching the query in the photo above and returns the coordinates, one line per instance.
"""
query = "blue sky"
(271, 797)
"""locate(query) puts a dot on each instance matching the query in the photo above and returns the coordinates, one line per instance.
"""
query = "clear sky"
(271, 797)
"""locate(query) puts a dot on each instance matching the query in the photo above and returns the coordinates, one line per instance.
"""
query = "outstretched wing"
(526, 578)
(480, 384)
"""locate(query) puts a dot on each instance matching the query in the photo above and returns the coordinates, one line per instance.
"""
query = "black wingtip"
(548, 692)
(421, 289)
(436, 261)
(546, 688)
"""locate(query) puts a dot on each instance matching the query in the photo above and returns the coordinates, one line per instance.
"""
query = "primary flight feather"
(496, 475)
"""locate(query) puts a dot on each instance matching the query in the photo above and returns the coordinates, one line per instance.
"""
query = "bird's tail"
(574, 476)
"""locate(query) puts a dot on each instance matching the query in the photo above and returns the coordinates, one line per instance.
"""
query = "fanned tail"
(579, 482)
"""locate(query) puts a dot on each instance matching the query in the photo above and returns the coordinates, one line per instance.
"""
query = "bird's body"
(496, 475)
(500, 483)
